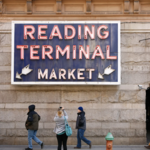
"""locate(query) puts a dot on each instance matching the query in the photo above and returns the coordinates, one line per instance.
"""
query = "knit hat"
(80, 108)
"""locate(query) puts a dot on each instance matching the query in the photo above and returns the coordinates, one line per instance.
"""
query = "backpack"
(67, 128)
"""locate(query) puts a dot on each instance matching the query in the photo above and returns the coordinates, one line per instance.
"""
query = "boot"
(28, 148)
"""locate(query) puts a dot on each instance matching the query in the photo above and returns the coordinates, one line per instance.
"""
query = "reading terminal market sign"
(66, 52)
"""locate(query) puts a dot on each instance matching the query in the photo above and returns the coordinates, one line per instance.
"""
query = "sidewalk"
(100, 147)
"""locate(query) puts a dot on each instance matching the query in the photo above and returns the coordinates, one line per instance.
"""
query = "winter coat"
(32, 122)
(81, 121)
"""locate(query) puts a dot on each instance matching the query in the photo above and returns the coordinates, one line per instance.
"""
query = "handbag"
(67, 128)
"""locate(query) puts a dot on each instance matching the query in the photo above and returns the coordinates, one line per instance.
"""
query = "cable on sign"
(144, 40)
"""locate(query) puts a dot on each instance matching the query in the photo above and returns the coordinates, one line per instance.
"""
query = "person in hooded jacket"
(81, 126)
(31, 125)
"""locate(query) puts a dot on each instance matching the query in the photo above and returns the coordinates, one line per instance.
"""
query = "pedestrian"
(81, 127)
(60, 128)
(32, 124)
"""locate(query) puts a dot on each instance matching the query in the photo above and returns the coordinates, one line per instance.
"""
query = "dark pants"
(62, 139)
(80, 136)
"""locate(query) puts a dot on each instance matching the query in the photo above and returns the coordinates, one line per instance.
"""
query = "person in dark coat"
(81, 127)
(147, 113)
(32, 124)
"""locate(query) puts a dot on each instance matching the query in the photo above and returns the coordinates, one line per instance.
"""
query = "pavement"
(50, 147)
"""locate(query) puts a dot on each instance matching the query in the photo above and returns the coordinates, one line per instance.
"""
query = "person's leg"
(64, 137)
(78, 139)
(81, 134)
(59, 140)
(35, 138)
(30, 135)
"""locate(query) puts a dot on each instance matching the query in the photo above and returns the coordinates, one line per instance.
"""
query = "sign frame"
(69, 82)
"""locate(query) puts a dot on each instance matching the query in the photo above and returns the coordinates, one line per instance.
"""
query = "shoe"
(28, 148)
(42, 145)
(147, 146)
(90, 145)
(77, 147)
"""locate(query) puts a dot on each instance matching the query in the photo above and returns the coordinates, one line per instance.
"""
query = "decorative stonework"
(1, 6)
(136, 6)
(29, 6)
(88, 6)
(58, 6)
(126, 6)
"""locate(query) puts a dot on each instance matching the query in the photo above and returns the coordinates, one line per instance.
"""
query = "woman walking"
(60, 128)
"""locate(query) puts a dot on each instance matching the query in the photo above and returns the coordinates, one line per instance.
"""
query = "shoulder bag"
(67, 128)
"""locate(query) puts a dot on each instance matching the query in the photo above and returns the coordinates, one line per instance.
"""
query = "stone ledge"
(75, 106)
(122, 98)
(25, 106)
(139, 125)
(47, 115)
(92, 125)
(115, 125)
(7, 125)
(89, 132)
(139, 68)
(128, 87)
(135, 27)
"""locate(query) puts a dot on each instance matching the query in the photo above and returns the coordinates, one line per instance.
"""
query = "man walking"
(81, 126)
(32, 124)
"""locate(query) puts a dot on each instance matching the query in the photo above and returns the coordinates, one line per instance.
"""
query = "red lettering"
(66, 50)
(87, 31)
(55, 32)
(33, 52)
(22, 47)
(79, 32)
(40, 32)
(29, 33)
(82, 50)
(48, 53)
(108, 53)
(106, 33)
(98, 52)
(66, 32)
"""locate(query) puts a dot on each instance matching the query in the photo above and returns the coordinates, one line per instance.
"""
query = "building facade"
(119, 109)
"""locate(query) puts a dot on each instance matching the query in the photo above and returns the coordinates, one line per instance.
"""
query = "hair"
(60, 112)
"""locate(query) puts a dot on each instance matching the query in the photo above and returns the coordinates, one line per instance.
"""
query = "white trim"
(64, 83)
(135, 30)
(119, 55)
(12, 54)
(62, 22)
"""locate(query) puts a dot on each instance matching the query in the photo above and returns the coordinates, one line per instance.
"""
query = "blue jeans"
(80, 136)
(32, 135)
